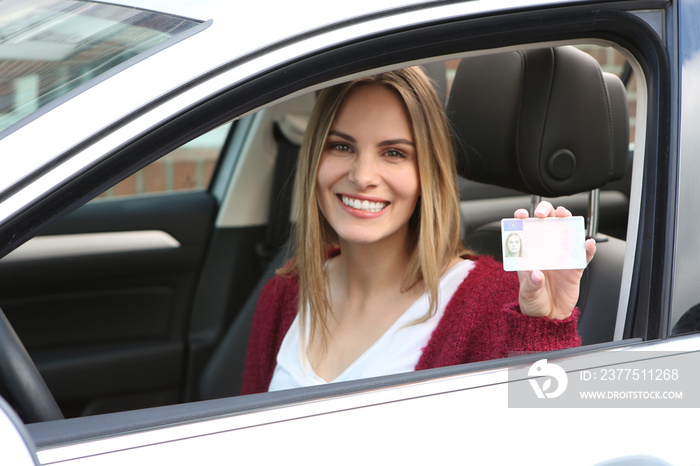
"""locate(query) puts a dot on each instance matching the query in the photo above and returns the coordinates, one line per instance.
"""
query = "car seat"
(547, 122)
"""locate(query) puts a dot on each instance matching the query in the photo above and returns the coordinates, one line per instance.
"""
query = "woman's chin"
(359, 240)
(365, 238)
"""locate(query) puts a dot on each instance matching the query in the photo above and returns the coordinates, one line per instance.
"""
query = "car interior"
(128, 330)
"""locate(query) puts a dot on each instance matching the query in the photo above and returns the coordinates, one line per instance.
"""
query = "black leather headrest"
(543, 121)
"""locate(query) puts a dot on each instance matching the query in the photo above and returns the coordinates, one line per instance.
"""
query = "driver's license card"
(553, 243)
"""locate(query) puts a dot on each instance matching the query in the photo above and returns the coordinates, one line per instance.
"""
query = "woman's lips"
(362, 207)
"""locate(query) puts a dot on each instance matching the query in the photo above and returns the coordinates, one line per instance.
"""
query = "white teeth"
(365, 205)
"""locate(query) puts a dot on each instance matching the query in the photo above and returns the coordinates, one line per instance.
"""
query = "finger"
(544, 209)
(537, 278)
(590, 249)
(521, 213)
(562, 212)
(529, 297)
(530, 281)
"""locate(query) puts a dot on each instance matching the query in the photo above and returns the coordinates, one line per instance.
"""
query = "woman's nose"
(363, 172)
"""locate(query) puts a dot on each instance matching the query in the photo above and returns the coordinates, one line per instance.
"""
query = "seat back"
(223, 374)
(547, 122)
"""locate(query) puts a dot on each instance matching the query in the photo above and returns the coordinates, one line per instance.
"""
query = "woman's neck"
(364, 270)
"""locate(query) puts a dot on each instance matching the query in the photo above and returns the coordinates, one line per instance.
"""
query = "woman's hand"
(550, 293)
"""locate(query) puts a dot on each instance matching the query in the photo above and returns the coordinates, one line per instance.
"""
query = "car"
(146, 154)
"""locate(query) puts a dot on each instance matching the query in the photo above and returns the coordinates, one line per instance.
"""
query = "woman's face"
(367, 184)
(514, 244)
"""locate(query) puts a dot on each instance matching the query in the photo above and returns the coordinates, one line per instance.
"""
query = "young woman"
(379, 282)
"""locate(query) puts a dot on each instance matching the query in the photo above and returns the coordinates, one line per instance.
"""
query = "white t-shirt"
(397, 350)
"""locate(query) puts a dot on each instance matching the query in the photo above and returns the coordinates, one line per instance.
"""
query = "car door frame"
(552, 25)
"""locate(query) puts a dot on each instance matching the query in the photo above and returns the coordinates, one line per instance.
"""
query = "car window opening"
(480, 203)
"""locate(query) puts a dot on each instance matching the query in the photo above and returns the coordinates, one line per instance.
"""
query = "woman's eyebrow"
(388, 142)
(392, 142)
(341, 135)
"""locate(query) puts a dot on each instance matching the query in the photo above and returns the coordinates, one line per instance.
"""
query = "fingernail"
(542, 210)
(536, 278)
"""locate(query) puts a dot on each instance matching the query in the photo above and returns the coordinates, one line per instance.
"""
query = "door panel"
(108, 329)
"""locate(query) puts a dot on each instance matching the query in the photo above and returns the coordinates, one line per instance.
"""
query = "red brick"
(154, 177)
(126, 187)
(185, 175)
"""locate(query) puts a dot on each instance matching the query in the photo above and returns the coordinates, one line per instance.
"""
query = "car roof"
(294, 19)
(287, 19)
(209, 9)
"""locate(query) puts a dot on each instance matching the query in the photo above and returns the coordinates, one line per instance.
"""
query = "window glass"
(187, 168)
(49, 47)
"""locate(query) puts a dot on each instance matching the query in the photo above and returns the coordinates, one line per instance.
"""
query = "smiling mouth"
(365, 206)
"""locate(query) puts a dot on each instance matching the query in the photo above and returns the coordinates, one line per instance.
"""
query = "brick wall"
(187, 168)
(184, 169)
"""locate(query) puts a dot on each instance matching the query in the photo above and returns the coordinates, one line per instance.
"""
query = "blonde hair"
(434, 226)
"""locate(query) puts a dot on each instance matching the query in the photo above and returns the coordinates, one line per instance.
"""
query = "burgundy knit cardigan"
(482, 321)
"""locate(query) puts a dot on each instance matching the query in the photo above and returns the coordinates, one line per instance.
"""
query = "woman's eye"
(340, 147)
(394, 154)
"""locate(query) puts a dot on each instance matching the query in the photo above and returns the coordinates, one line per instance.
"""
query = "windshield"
(49, 47)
